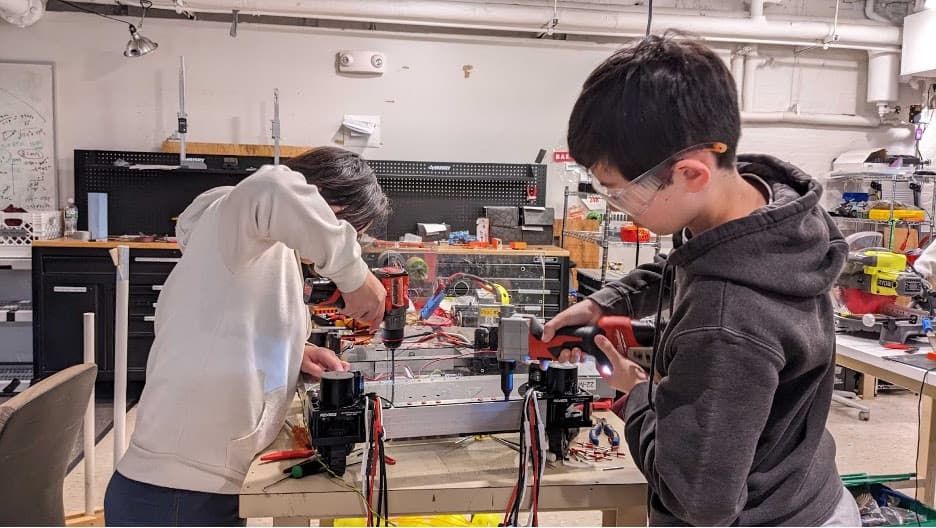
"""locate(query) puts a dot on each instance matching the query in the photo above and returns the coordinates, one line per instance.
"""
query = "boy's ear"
(694, 174)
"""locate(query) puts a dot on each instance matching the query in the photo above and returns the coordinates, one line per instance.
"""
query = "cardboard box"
(506, 234)
(537, 216)
(503, 216)
(538, 235)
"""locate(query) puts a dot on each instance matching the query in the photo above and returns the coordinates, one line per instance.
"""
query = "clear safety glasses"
(635, 196)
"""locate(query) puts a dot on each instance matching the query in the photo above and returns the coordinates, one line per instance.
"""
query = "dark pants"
(131, 503)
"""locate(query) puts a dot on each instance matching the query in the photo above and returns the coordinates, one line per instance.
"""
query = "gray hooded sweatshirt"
(734, 432)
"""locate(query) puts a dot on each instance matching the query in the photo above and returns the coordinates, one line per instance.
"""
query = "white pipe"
(835, 120)
(757, 10)
(737, 70)
(883, 74)
(530, 18)
(751, 63)
(88, 446)
(21, 13)
(121, 257)
(871, 14)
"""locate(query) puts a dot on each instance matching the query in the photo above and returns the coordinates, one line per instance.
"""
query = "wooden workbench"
(438, 477)
(68, 242)
(867, 356)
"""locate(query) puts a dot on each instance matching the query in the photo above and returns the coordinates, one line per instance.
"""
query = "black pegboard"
(453, 193)
(145, 201)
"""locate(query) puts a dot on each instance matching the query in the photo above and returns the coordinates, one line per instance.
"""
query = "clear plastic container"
(71, 218)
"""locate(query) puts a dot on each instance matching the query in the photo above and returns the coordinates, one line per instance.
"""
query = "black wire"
(93, 12)
(649, 15)
(383, 483)
(657, 331)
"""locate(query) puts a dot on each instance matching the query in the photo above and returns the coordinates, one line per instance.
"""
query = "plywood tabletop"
(71, 243)
(442, 464)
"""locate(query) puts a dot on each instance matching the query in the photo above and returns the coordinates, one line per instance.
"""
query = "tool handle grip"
(569, 337)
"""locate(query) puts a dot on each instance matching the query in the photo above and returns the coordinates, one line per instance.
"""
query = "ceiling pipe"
(744, 64)
(871, 14)
(832, 120)
(506, 17)
(737, 67)
(757, 10)
(21, 13)
(750, 64)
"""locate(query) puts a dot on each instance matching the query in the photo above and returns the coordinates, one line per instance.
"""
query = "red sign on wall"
(562, 156)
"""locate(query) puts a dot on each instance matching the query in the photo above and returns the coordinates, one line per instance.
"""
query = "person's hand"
(625, 374)
(582, 313)
(366, 304)
(317, 360)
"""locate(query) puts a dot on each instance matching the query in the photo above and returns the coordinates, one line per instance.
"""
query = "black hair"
(345, 180)
(652, 99)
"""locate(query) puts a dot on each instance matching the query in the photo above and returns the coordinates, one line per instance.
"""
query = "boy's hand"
(317, 360)
(626, 373)
(582, 313)
(366, 303)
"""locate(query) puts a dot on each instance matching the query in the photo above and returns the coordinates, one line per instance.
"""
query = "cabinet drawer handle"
(157, 287)
(69, 289)
(172, 260)
(149, 318)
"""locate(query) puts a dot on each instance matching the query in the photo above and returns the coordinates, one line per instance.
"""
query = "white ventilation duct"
(576, 21)
(21, 13)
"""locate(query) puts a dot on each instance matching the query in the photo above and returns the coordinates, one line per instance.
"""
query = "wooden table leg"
(326, 522)
(291, 521)
(927, 464)
(868, 384)
(630, 516)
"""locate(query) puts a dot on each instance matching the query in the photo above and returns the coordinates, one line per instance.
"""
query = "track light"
(138, 45)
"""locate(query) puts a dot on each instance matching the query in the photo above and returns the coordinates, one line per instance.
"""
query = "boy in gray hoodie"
(733, 430)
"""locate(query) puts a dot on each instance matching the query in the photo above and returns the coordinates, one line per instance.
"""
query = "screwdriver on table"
(303, 469)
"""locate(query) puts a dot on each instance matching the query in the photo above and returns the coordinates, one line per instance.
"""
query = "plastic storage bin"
(882, 493)
(18, 230)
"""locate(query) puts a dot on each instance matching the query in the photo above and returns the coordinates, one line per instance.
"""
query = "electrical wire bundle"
(374, 465)
(532, 441)
(444, 285)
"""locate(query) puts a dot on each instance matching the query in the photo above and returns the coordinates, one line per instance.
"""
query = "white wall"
(516, 100)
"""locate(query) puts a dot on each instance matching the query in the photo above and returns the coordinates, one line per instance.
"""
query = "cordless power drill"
(319, 291)
(520, 340)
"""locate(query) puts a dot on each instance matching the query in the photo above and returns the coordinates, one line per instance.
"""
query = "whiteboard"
(27, 136)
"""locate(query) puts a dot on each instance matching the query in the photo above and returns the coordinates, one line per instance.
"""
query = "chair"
(38, 429)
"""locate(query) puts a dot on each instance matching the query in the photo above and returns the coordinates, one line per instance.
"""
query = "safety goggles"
(635, 196)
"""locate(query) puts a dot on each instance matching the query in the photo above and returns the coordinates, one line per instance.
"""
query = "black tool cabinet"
(70, 281)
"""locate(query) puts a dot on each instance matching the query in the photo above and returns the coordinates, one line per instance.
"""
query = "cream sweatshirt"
(230, 328)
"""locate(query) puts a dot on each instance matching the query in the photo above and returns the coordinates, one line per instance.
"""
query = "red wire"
(510, 503)
(436, 360)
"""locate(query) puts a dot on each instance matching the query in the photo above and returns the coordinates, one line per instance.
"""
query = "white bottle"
(71, 218)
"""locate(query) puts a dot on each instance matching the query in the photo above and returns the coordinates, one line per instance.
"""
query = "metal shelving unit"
(894, 177)
(604, 237)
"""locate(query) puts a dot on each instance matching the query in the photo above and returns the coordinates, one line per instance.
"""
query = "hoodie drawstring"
(667, 281)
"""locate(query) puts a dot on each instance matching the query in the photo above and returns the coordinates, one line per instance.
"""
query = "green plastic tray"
(863, 479)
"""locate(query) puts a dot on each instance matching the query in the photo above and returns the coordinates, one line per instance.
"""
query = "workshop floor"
(860, 444)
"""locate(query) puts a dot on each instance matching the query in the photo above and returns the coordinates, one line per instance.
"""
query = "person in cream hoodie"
(231, 329)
